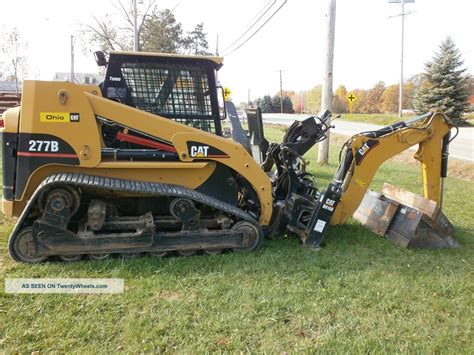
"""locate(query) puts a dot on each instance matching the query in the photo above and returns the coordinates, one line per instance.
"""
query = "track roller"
(23, 247)
(70, 258)
(253, 236)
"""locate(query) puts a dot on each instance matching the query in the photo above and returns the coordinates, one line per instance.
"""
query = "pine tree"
(444, 85)
(287, 105)
(276, 104)
(266, 104)
(196, 42)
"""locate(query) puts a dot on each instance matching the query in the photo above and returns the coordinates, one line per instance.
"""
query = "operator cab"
(180, 88)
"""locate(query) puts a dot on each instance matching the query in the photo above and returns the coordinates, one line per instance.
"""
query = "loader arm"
(366, 151)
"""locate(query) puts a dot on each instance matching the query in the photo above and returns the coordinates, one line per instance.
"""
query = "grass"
(359, 294)
(388, 119)
(380, 119)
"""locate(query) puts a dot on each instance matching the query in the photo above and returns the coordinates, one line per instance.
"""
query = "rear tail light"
(2, 125)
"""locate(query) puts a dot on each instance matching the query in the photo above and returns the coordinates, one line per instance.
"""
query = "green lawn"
(388, 119)
(359, 294)
(380, 119)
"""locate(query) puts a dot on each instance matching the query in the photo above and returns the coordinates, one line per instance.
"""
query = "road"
(462, 147)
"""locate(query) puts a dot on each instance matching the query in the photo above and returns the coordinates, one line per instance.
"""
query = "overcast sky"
(367, 45)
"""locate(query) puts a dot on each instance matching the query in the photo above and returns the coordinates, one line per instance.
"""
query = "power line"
(258, 13)
(258, 29)
(254, 22)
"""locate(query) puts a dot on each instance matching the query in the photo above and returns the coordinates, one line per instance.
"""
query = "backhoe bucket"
(407, 219)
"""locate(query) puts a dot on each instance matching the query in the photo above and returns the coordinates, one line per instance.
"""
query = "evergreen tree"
(196, 41)
(444, 85)
(162, 33)
(287, 105)
(276, 104)
(266, 104)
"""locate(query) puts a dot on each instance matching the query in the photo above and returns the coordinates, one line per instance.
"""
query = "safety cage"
(181, 89)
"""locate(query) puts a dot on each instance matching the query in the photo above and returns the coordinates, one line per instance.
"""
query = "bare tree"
(14, 49)
(119, 34)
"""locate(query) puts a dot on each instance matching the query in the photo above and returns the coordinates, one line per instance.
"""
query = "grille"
(177, 92)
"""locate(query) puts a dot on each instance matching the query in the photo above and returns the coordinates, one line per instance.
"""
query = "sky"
(367, 39)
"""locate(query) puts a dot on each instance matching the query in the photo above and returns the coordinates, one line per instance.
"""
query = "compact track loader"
(139, 165)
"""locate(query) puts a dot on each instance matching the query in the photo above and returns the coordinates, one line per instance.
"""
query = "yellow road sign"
(351, 98)
(227, 94)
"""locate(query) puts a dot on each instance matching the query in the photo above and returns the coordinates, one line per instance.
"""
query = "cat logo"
(199, 151)
(364, 149)
(75, 117)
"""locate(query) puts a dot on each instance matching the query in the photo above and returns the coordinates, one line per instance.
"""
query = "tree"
(115, 30)
(297, 100)
(276, 104)
(373, 99)
(196, 41)
(287, 105)
(361, 95)
(266, 104)
(339, 102)
(390, 98)
(270, 104)
(312, 100)
(157, 29)
(444, 85)
(408, 92)
(14, 49)
(162, 33)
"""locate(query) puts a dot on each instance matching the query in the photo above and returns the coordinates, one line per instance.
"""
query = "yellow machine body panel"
(69, 113)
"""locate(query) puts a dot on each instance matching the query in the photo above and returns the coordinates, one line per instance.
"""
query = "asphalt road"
(462, 147)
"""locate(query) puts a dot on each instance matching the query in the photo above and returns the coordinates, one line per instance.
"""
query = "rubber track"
(140, 187)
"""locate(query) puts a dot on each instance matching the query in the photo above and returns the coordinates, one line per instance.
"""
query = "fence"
(8, 99)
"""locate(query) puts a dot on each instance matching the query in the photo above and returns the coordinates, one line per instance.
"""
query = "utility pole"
(135, 26)
(400, 100)
(403, 15)
(281, 93)
(72, 59)
(326, 95)
(248, 97)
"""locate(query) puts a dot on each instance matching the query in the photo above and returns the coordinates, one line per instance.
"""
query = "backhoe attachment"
(406, 218)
